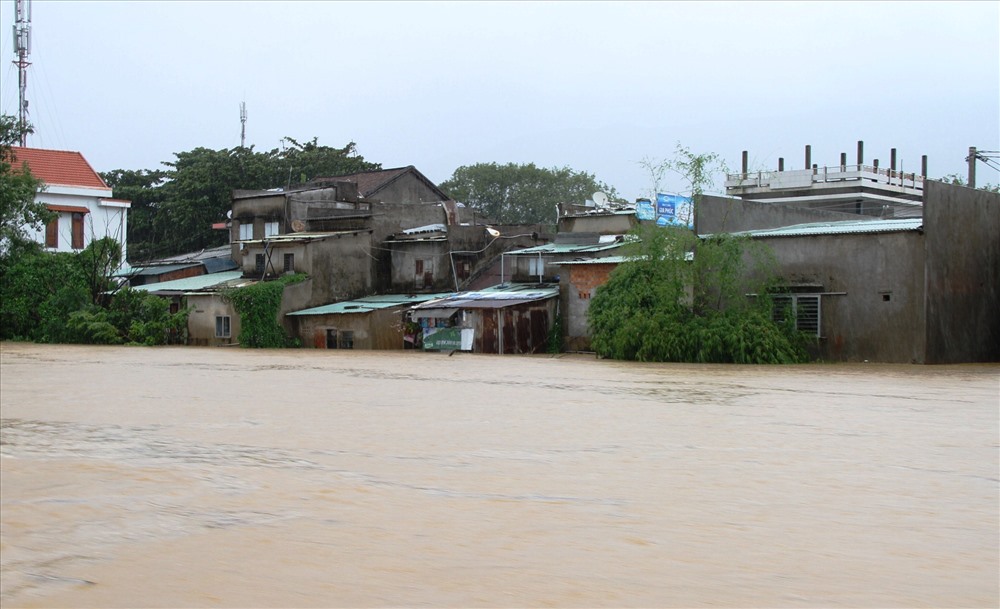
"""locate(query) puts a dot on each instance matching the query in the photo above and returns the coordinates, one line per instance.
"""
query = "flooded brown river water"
(186, 477)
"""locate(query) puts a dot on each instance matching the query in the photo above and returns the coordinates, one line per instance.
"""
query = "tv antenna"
(243, 124)
(22, 48)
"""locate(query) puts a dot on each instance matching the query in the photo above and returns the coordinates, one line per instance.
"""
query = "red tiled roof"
(58, 167)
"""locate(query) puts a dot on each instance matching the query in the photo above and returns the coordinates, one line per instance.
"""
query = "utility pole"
(972, 166)
(243, 124)
(22, 48)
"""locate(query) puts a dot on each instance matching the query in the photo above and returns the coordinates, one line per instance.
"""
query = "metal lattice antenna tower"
(22, 48)
(243, 124)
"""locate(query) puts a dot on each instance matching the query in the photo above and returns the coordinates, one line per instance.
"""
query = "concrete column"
(843, 161)
(781, 164)
(861, 152)
(808, 156)
(972, 167)
(744, 162)
(923, 165)
(892, 159)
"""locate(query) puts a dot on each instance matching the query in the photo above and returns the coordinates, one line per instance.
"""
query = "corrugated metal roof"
(566, 248)
(494, 297)
(435, 313)
(302, 237)
(192, 284)
(838, 228)
(370, 303)
(430, 228)
(218, 265)
(163, 268)
(212, 252)
(605, 260)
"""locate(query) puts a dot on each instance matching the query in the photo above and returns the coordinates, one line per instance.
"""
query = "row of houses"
(878, 265)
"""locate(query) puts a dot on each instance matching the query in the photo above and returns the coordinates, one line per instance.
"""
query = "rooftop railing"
(839, 174)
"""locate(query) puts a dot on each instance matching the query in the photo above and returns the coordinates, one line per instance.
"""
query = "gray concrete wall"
(880, 315)
(380, 329)
(391, 218)
(436, 264)
(610, 224)
(340, 266)
(724, 215)
(407, 189)
(962, 227)
(201, 320)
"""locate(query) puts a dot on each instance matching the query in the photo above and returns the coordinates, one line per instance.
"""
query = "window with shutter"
(77, 231)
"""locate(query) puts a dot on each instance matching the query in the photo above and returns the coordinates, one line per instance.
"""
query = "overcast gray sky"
(595, 86)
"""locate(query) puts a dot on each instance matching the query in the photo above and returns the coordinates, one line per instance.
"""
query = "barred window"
(803, 308)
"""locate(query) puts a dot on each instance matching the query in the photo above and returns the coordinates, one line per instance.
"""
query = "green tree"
(98, 262)
(520, 194)
(18, 208)
(130, 317)
(308, 161)
(698, 171)
(685, 299)
(144, 188)
(38, 292)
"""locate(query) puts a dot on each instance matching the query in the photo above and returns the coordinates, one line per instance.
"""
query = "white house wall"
(105, 218)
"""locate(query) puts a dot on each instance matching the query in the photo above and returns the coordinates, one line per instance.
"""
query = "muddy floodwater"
(219, 477)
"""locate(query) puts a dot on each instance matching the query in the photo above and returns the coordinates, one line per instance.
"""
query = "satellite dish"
(600, 199)
(298, 226)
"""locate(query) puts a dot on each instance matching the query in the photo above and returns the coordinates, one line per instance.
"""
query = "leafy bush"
(131, 317)
(48, 297)
(38, 291)
(258, 305)
(683, 299)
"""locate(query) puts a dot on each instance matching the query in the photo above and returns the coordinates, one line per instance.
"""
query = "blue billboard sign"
(644, 209)
(674, 210)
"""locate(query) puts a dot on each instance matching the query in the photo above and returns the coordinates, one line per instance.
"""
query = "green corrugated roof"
(605, 260)
(370, 303)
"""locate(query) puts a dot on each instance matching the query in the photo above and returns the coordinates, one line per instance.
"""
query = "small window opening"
(346, 339)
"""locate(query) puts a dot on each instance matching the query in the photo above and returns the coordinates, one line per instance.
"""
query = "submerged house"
(578, 282)
(212, 321)
(506, 320)
(924, 289)
(538, 264)
(372, 322)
